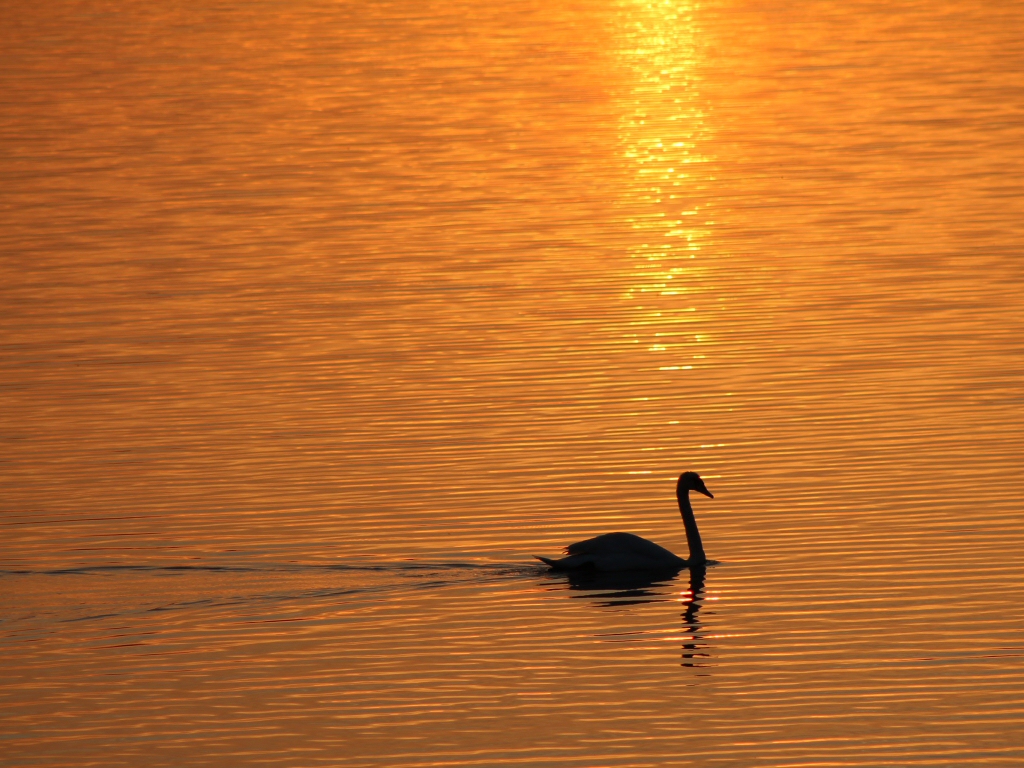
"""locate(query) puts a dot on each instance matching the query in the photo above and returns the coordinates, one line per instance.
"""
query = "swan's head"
(690, 481)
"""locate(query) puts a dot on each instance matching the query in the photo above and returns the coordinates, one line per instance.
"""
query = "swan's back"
(616, 552)
(619, 543)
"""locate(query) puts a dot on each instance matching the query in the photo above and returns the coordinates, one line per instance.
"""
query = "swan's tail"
(571, 563)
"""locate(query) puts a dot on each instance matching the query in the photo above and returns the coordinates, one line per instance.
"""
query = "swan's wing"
(614, 561)
(606, 542)
(616, 544)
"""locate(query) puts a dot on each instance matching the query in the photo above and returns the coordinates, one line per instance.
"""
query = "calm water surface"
(321, 318)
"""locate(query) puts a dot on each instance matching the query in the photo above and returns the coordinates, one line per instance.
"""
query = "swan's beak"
(705, 491)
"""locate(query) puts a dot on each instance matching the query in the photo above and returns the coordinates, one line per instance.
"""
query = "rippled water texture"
(321, 318)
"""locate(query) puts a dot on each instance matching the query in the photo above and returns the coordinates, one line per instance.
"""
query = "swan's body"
(616, 552)
(628, 552)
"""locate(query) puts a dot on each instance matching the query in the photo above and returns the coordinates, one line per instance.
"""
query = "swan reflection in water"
(619, 588)
(693, 647)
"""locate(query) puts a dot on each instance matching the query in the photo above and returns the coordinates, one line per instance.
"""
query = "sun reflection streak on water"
(664, 132)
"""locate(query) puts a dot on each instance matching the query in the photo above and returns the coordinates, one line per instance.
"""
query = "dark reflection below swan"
(621, 588)
(693, 646)
(629, 552)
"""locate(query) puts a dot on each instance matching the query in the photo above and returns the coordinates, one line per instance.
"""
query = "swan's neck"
(697, 556)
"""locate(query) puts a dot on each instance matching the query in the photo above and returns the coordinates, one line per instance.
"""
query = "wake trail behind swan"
(106, 591)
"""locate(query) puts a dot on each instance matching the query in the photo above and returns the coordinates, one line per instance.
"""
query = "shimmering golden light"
(661, 131)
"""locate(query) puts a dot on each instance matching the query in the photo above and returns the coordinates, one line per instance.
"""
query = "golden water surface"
(320, 317)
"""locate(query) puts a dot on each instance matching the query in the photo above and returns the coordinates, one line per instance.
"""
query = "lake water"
(321, 318)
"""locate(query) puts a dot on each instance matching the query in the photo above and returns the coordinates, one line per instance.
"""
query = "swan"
(627, 551)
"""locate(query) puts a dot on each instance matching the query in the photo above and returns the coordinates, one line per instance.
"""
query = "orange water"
(321, 318)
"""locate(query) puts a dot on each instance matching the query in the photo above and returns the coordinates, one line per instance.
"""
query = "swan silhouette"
(629, 552)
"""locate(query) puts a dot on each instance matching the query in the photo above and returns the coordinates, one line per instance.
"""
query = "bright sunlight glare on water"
(321, 319)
